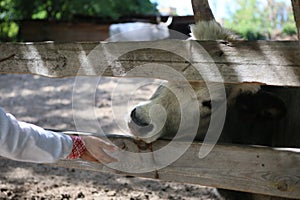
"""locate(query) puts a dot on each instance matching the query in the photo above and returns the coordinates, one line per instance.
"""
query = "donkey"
(247, 98)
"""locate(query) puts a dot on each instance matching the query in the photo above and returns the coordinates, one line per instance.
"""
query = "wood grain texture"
(261, 170)
(271, 63)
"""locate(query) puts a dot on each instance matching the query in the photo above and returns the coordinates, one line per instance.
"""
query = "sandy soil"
(48, 103)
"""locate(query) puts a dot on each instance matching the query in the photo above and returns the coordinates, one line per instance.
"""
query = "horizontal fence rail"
(271, 63)
(255, 169)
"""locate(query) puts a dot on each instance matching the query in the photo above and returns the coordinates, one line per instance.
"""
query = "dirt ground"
(48, 103)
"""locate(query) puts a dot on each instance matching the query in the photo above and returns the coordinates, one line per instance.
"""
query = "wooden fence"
(263, 170)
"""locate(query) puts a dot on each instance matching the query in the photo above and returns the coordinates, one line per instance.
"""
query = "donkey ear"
(263, 106)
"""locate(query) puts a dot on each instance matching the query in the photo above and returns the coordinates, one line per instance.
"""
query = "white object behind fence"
(139, 31)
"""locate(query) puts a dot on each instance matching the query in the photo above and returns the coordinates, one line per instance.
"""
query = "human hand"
(95, 150)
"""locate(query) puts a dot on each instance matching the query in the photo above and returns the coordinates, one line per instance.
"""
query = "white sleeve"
(27, 142)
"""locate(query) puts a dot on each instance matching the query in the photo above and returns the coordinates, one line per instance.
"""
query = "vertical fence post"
(296, 9)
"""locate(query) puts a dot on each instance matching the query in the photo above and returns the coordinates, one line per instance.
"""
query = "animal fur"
(144, 127)
(210, 30)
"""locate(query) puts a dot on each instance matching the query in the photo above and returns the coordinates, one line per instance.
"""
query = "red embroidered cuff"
(78, 148)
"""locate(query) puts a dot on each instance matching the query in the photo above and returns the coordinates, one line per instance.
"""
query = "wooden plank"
(296, 9)
(261, 170)
(271, 63)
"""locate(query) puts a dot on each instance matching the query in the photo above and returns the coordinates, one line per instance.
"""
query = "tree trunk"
(202, 11)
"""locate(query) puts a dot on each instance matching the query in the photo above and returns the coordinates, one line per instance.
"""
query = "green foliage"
(66, 9)
(255, 21)
(289, 27)
(14, 10)
(247, 20)
(8, 29)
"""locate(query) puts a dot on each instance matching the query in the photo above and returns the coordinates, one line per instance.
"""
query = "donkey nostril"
(137, 120)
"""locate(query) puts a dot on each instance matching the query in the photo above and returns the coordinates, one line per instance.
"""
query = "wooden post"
(296, 9)
(202, 11)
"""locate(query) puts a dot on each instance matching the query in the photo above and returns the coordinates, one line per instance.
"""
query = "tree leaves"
(15, 10)
(66, 9)
(255, 20)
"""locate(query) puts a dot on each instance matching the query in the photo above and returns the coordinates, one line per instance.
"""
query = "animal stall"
(268, 170)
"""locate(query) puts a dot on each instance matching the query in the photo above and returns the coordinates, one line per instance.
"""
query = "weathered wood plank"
(260, 170)
(272, 63)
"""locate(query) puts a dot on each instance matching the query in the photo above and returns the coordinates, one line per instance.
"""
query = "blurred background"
(89, 20)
